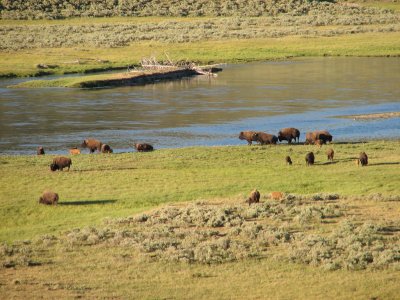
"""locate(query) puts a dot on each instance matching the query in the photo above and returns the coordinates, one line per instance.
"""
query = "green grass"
(121, 185)
(232, 51)
(139, 181)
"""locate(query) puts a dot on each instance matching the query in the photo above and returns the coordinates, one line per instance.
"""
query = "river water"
(307, 94)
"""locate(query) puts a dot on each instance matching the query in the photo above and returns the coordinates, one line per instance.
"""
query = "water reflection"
(207, 111)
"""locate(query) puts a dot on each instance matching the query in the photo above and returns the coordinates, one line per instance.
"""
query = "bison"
(288, 160)
(143, 147)
(48, 198)
(265, 138)
(59, 163)
(92, 145)
(248, 136)
(310, 138)
(363, 159)
(40, 151)
(276, 195)
(254, 197)
(310, 159)
(318, 137)
(330, 153)
(106, 149)
(289, 134)
(74, 151)
(323, 135)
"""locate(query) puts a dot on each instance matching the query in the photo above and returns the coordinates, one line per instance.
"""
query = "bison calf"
(92, 145)
(288, 160)
(254, 197)
(310, 159)
(277, 195)
(106, 149)
(59, 163)
(330, 153)
(248, 136)
(143, 147)
(363, 159)
(74, 151)
(49, 198)
(40, 151)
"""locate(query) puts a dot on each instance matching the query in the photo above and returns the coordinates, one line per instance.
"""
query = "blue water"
(307, 94)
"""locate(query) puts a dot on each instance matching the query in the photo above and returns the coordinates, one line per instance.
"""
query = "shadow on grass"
(103, 169)
(384, 164)
(87, 202)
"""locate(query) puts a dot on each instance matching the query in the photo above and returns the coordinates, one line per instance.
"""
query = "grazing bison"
(106, 149)
(318, 137)
(248, 136)
(277, 195)
(288, 160)
(265, 138)
(74, 151)
(49, 198)
(363, 159)
(289, 134)
(323, 135)
(254, 197)
(92, 145)
(40, 151)
(310, 138)
(143, 147)
(310, 158)
(59, 163)
(330, 153)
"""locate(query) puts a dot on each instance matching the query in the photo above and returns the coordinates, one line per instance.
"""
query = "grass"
(82, 45)
(138, 181)
(294, 248)
(368, 44)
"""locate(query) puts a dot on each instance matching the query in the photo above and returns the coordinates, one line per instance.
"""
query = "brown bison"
(330, 153)
(143, 147)
(310, 159)
(40, 151)
(318, 137)
(59, 163)
(324, 136)
(276, 195)
(288, 160)
(265, 138)
(289, 134)
(254, 197)
(310, 138)
(363, 159)
(92, 145)
(106, 149)
(74, 151)
(248, 136)
(49, 198)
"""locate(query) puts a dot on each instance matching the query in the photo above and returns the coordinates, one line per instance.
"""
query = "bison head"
(54, 167)
(84, 144)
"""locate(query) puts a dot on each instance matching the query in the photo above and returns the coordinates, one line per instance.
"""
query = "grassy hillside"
(337, 223)
(299, 28)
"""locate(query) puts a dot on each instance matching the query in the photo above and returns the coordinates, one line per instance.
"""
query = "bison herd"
(318, 137)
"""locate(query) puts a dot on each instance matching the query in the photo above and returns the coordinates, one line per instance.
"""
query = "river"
(306, 93)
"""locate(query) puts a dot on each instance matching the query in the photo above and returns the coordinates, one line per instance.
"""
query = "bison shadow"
(87, 202)
(384, 164)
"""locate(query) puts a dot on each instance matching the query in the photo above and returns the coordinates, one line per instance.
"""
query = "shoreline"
(196, 147)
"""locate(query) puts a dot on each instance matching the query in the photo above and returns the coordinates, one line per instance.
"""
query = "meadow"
(164, 221)
(43, 46)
